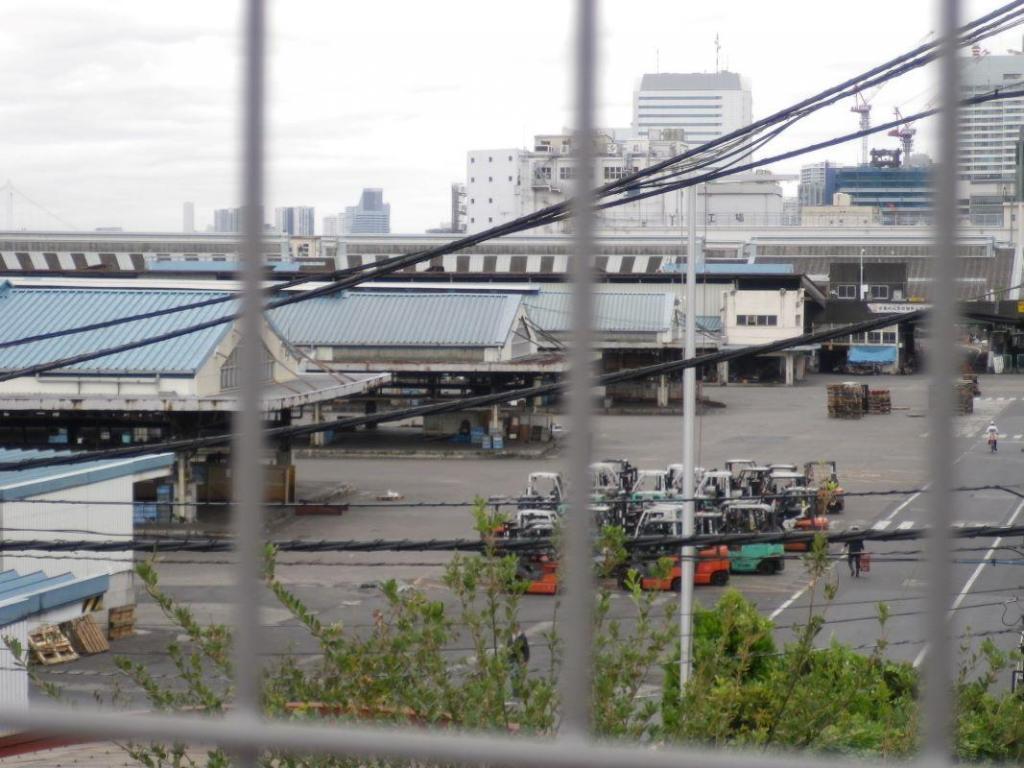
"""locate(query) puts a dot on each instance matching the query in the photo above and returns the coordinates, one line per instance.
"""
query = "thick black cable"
(156, 545)
(538, 218)
(470, 402)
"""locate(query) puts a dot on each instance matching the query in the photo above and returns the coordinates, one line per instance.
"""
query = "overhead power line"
(473, 402)
(969, 33)
(156, 545)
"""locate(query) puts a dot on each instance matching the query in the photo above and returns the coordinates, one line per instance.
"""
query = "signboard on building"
(891, 308)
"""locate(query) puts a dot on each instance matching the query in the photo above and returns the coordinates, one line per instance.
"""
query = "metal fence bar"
(577, 566)
(937, 720)
(247, 451)
(417, 745)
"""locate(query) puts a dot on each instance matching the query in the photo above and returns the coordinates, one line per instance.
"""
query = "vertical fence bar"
(937, 709)
(687, 554)
(247, 449)
(577, 566)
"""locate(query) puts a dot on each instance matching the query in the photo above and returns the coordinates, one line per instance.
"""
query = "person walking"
(992, 435)
(854, 550)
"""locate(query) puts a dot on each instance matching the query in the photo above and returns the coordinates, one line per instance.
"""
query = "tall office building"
(371, 217)
(989, 131)
(333, 225)
(817, 183)
(227, 220)
(295, 220)
(704, 105)
(188, 217)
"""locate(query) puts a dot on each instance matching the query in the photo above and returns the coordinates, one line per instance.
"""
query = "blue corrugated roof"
(613, 312)
(25, 483)
(28, 311)
(25, 595)
(399, 319)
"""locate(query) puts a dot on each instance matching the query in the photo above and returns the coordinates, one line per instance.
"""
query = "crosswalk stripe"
(905, 525)
(881, 525)
(1017, 437)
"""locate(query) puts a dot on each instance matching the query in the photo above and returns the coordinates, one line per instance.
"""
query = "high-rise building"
(989, 131)
(899, 195)
(704, 105)
(817, 183)
(334, 225)
(297, 221)
(188, 217)
(371, 217)
(227, 220)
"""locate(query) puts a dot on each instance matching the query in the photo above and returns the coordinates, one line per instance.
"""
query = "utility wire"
(556, 212)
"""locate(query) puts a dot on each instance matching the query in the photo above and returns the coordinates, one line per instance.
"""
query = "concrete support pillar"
(536, 402)
(723, 373)
(663, 391)
(184, 489)
(317, 438)
(495, 420)
(790, 372)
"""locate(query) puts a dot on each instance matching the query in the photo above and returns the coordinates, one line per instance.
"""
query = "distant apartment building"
(297, 221)
(371, 217)
(334, 225)
(704, 105)
(188, 218)
(989, 131)
(227, 220)
(817, 183)
(504, 184)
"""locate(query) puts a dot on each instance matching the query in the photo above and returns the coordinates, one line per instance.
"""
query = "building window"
(888, 337)
(472, 179)
(472, 159)
(757, 319)
(229, 371)
(612, 172)
(510, 160)
(846, 291)
(472, 201)
(490, 159)
(879, 291)
(510, 179)
(875, 337)
(490, 199)
(490, 178)
(544, 172)
(489, 219)
(566, 173)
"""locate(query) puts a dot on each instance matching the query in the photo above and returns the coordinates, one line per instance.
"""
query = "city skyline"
(166, 130)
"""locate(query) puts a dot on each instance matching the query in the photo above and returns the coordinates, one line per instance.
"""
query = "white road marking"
(903, 506)
(1017, 437)
(792, 599)
(905, 525)
(974, 577)
(881, 525)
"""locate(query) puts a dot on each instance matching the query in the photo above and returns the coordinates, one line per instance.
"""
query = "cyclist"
(992, 435)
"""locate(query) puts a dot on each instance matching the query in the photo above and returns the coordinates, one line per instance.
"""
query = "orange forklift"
(712, 567)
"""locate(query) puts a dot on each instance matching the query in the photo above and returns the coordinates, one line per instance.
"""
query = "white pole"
(860, 286)
(689, 409)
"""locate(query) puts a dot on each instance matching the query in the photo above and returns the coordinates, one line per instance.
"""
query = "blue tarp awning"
(880, 355)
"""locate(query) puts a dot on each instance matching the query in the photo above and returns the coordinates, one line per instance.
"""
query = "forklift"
(824, 476)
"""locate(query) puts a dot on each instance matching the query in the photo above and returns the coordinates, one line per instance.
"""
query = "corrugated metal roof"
(31, 311)
(25, 483)
(613, 312)
(705, 323)
(25, 595)
(399, 319)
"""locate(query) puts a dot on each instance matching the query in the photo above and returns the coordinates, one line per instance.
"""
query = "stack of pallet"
(85, 635)
(964, 397)
(879, 401)
(121, 622)
(49, 646)
(845, 401)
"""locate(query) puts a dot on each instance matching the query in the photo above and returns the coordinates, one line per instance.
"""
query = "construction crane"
(905, 133)
(862, 106)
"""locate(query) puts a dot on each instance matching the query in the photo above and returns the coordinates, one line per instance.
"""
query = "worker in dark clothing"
(854, 550)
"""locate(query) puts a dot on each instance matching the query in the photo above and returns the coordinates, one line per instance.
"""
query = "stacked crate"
(879, 401)
(845, 401)
(121, 622)
(964, 396)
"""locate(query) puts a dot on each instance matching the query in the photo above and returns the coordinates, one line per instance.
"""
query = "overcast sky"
(115, 113)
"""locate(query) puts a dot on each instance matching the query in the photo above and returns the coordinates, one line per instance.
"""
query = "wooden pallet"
(50, 646)
(879, 401)
(85, 635)
(121, 622)
(845, 401)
